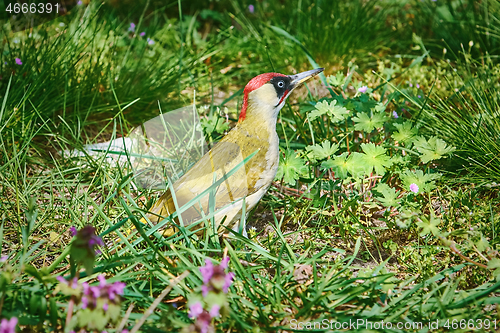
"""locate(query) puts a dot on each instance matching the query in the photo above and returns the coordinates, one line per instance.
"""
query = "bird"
(240, 186)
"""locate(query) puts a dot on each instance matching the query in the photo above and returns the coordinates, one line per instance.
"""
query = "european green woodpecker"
(264, 96)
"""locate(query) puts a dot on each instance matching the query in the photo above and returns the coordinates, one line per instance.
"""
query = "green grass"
(340, 236)
(475, 118)
(453, 24)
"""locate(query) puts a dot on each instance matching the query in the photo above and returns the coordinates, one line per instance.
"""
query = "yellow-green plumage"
(257, 131)
(238, 144)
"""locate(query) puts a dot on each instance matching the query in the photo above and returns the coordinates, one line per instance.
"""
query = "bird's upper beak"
(297, 79)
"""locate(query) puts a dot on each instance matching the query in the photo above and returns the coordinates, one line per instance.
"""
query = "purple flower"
(95, 292)
(414, 188)
(203, 322)
(411, 85)
(79, 3)
(114, 289)
(216, 282)
(251, 9)
(90, 295)
(132, 27)
(8, 326)
(102, 280)
(142, 34)
(85, 302)
(195, 310)
(395, 114)
(18, 61)
(207, 271)
(228, 280)
(224, 262)
(86, 288)
(417, 85)
(73, 285)
(214, 277)
(363, 89)
(150, 41)
(214, 311)
(419, 96)
(4, 258)
(87, 238)
(95, 240)
(205, 289)
(73, 231)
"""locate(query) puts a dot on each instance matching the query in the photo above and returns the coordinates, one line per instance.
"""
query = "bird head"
(265, 94)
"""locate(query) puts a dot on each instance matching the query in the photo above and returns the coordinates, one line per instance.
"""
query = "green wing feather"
(221, 159)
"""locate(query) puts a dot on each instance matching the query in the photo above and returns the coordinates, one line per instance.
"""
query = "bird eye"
(281, 84)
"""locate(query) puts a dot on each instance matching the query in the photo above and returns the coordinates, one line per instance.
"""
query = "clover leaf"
(336, 112)
(406, 132)
(375, 157)
(321, 151)
(432, 149)
(214, 123)
(429, 225)
(338, 164)
(390, 195)
(345, 163)
(380, 107)
(364, 123)
(337, 80)
(425, 182)
(291, 167)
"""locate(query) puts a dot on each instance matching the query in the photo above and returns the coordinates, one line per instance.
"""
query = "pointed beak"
(298, 79)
